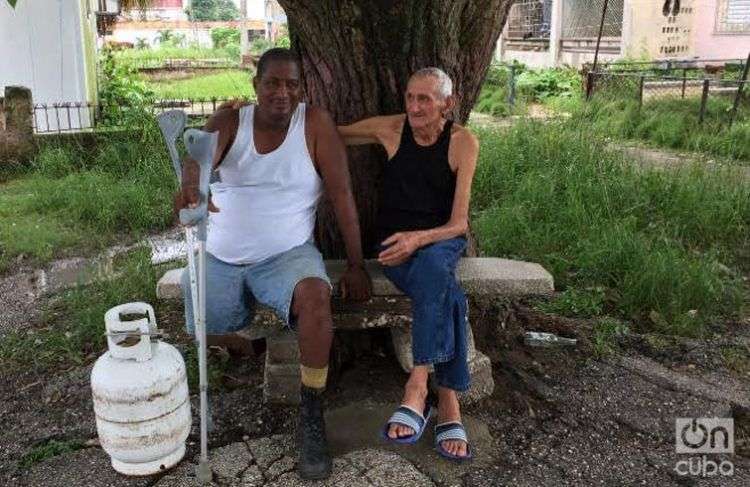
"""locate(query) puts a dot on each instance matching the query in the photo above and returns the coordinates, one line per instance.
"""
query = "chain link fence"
(717, 100)
(581, 19)
(688, 68)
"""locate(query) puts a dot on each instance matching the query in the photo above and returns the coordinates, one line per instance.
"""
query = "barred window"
(529, 19)
(733, 16)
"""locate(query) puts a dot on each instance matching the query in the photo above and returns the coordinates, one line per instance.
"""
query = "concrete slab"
(480, 276)
(168, 286)
(358, 426)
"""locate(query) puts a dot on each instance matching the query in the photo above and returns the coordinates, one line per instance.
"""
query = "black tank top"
(417, 186)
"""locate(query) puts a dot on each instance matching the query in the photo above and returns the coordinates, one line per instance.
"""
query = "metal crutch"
(172, 125)
(201, 146)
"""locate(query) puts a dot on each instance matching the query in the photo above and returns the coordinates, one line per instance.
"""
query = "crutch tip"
(203, 472)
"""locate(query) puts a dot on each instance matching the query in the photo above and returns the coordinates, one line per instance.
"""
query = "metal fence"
(687, 68)
(150, 64)
(581, 19)
(718, 100)
(85, 116)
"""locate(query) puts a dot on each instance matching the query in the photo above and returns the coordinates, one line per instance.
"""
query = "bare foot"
(449, 411)
(415, 394)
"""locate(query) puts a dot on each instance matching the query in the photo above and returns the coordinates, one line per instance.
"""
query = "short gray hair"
(444, 83)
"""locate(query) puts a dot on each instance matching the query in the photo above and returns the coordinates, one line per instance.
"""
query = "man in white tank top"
(274, 159)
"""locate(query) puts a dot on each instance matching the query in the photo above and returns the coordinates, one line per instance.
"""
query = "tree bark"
(357, 56)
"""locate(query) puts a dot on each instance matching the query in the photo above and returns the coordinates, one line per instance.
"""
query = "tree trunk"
(357, 56)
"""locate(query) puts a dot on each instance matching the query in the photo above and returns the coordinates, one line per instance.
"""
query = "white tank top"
(267, 202)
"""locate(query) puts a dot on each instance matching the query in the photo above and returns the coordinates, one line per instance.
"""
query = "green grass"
(575, 302)
(672, 123)
(73, 327)
(74, 199)
(605, 334)
(737, 358)
(657, 243)
(227, 84)
(162, 53)
(49, 449)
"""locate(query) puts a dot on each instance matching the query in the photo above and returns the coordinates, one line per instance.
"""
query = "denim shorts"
(233, 290)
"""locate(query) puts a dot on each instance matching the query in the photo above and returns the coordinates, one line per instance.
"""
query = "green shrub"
(122, 93)
(260, 45)
(224, 36)
(548, 83)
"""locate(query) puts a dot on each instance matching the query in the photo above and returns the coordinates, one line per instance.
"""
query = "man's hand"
(401, 246)
(189, 197)
(355, 284)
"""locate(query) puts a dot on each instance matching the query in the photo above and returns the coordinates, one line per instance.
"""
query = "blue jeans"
(439, 335)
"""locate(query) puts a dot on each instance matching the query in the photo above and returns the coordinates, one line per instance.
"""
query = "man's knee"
(312, 301)
(433, 260)
(430, 274)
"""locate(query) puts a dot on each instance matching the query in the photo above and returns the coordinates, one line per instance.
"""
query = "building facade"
(545, 33)
(50, 47)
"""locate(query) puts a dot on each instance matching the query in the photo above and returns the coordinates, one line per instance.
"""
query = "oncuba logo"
(704, 436)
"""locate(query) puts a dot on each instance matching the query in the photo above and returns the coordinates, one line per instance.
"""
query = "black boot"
(314, 460)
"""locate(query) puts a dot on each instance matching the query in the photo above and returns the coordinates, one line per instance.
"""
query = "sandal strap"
(451, 431)
(408, 417)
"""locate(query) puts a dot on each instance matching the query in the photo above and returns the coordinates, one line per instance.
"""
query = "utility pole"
(244, 41)
(589, 85)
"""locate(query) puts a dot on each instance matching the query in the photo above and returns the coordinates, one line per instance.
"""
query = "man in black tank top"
(422, 223)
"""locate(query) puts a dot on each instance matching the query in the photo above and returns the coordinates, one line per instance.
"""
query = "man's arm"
(330, 158)
(368, 131)
(464, 150)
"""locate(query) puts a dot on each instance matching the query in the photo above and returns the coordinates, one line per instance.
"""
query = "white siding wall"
(41, 47)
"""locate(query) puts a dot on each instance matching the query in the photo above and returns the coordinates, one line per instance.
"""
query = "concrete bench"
(388, 308)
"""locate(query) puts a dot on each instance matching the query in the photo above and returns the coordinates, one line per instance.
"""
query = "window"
(529, 19)
(733, 16)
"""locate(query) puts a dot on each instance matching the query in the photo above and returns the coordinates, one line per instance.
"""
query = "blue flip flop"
(452, 431)
(408, 417)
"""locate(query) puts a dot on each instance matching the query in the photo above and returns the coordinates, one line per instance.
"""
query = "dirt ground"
(556, 417)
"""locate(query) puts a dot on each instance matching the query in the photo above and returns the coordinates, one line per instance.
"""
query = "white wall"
(533, 59)
(41, 47)
(200, 36)
(256, 9)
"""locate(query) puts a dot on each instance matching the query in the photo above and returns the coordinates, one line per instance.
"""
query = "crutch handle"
(172, 123)
(201, 146)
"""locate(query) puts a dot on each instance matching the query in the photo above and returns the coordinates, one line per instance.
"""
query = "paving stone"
(229, 461)
(268, 450)
(252, 477)
(397, 474)
(183, 475)
(281, 466)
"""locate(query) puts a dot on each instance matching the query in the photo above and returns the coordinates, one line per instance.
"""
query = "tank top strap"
(446, 130)
(407, 136)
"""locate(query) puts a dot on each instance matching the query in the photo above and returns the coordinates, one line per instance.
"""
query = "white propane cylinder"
(140, 395)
